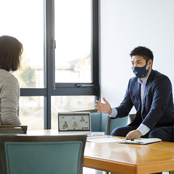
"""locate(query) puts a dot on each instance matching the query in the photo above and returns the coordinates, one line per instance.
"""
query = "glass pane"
(24, 20)
(69, 103)
(73, 41)
(31, 112)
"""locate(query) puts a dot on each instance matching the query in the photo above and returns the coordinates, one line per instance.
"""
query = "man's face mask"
(140, 72)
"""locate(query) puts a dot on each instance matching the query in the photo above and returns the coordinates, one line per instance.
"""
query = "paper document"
(103, 139)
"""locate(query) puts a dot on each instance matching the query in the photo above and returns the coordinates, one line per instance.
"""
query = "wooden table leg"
(171, 172)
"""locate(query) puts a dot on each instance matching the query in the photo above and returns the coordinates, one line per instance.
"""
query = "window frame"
(64, 89)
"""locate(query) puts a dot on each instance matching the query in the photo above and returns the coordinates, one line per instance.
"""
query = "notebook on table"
(74, 123)
(141, 141)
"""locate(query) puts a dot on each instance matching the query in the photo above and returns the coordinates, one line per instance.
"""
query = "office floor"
(92, 171)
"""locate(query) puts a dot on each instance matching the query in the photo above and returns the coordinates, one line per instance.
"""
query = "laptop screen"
(74, 121)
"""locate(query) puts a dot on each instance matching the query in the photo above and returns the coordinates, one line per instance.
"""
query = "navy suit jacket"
(158, 108)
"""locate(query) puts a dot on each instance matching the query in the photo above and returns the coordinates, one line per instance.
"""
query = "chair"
(56, 154)
(132, 116)
(111, 124)
(13, 129)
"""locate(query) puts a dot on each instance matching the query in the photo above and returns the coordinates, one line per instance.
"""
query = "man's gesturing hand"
(103, 107)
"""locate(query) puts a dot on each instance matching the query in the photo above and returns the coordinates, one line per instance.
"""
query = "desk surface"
(126, 158)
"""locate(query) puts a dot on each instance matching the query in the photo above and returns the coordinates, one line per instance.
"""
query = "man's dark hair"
(146, 53)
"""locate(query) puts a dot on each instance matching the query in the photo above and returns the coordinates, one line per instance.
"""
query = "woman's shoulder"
(6, 76)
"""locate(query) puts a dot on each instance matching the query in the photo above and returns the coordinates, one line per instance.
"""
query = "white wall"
(126, 24)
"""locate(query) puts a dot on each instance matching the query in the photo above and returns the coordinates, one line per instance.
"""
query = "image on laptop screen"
(74, 122)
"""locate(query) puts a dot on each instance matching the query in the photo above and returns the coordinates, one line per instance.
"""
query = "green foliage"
(27, 77)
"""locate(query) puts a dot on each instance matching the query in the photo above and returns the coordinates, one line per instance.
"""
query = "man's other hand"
(135, 134)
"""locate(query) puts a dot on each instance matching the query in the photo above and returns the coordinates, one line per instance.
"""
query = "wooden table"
(126, 158)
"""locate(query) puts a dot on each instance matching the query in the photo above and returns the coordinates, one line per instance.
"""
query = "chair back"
(111, 124)
(132, 117)
(21, 154)
(13, 129)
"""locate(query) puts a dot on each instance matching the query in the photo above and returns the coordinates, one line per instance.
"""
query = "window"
(32, 112)
(73, 41)
(60, 69)
(24, 21)
(69, 103)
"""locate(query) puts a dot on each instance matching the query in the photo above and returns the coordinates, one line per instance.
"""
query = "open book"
(141, 141)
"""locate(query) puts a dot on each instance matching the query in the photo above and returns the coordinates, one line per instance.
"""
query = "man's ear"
(150, 62)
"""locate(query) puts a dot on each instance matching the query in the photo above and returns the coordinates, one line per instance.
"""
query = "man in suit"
(150, 92)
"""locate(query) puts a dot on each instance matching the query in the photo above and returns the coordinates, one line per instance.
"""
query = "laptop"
(74, 123)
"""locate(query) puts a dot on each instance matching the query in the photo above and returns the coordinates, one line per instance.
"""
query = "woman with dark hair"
(10, 54)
